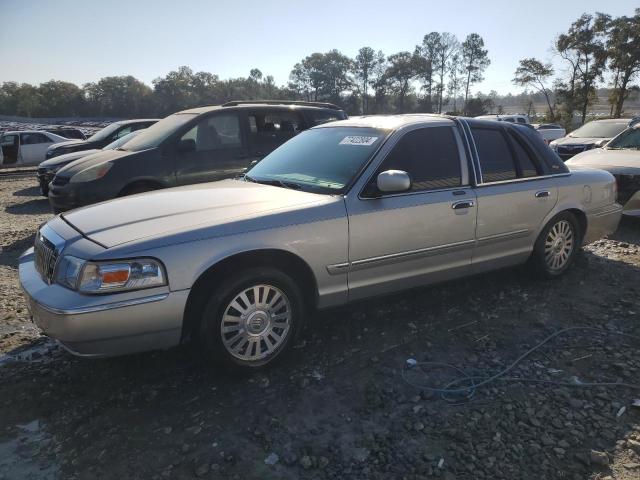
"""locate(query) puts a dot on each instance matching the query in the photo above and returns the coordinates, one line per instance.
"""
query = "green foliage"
(475, 60)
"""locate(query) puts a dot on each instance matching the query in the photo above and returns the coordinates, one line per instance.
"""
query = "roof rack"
(281, 102)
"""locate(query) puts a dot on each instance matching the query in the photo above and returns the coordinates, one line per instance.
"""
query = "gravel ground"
(338, 407)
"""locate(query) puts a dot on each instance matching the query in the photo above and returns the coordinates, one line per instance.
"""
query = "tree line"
(437, 75)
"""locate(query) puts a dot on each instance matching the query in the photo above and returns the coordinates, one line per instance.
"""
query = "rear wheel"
(252, 320)
(557, 246)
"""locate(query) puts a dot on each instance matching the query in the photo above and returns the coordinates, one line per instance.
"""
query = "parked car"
(193, 146)
(515, 118)
(341, 212)
(620, 157)
(26, 147)
(67, 132)
(550, 131)
(48, 168)
(101, 138)
(591, 135)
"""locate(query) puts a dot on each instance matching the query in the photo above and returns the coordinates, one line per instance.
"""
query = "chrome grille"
(45, 257)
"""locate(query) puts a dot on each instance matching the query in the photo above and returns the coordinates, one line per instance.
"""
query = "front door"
(219, 150)
(10, 148)
(424, 234)
(33, 147)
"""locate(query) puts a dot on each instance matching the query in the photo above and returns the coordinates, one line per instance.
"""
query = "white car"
(550, 131)
(26, 147)
(515, 118)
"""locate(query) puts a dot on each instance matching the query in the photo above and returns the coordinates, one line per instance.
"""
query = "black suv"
(198, 145)
(101, 138)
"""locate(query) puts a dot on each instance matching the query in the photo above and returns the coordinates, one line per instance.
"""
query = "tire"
(557, 246)
(271, 329)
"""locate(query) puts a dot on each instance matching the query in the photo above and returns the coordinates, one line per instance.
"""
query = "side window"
(323, 116)
(9, 140)
(275, 126)
(121, 133)
(33, 138)
(216, 133)
(526, 163)
(430, 156)
(496, 161)
(521, 120)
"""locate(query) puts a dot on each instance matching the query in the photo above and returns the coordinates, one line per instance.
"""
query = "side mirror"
(187, 145)
(393, 181)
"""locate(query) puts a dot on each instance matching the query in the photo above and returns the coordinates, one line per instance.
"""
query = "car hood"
(611, 160)
(568, 140)
(182, 209)
(100, 156)
(61, 160)
(69, 143)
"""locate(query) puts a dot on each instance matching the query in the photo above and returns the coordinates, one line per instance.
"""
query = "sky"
(82, 41)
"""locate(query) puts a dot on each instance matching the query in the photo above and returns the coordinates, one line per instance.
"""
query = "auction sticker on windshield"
(358, 140)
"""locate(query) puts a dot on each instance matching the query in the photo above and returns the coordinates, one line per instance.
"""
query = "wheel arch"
(574, 209)
(288, 262)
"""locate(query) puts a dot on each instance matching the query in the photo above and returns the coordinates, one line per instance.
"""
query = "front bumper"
(103, 325)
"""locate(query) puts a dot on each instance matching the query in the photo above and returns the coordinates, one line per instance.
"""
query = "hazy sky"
(81, 41)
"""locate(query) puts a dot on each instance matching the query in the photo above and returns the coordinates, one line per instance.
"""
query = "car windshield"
(106, 132)
(629, 139)
(122, 140)
(323, 160)
(599, 130)
(154, 135)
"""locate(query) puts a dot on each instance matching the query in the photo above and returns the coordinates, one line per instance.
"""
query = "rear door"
(514, 196)
(220, 150)
(33, 147)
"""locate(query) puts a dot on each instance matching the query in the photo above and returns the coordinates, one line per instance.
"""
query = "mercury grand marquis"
(342, 212)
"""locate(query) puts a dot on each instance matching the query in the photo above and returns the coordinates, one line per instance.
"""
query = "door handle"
(462, 204)
(543, 194)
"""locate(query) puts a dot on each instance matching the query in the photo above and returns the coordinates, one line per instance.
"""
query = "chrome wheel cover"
(559, 245)
(256, 322)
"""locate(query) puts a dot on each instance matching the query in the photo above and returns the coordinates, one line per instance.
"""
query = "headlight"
(92, 173)
(118, 276)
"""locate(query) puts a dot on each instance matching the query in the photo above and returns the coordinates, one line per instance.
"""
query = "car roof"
(613, 120)
(389, 122)
(11, 132)
(266, 106)
(137, 120)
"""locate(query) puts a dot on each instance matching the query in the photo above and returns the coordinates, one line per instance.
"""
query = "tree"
(475, 60)
(454, 86)
(122, 96)
(59, 99)
(426, 57)
(533, 73)
(584, 45)
(398, 75)
(447, 47)
(623, 48)
(366, 71)
(322, 76)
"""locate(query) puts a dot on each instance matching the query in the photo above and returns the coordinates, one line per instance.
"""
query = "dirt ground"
(339, 406)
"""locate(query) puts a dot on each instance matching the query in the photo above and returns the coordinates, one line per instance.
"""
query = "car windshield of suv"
(104, 133)
(629, 139)
(322, 160)
(122, 140)
(154, 135)
(599, 130)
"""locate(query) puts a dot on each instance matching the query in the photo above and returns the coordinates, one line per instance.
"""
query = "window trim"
(465, 177)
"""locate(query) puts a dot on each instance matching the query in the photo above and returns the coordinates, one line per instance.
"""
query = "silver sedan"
(342, 212)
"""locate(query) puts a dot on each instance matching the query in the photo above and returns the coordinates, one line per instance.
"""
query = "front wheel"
(252, 319)
(557, 246)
